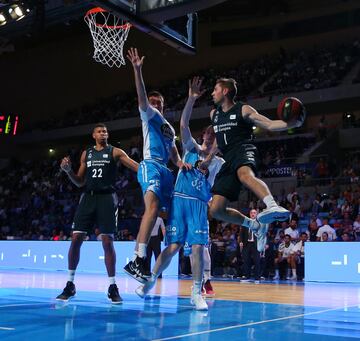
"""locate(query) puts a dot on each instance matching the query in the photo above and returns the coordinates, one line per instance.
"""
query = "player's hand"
(183, 165)
(134, 58)
(65, 164)
(195, 90)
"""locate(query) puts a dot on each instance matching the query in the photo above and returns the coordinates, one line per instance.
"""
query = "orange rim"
(101, 10)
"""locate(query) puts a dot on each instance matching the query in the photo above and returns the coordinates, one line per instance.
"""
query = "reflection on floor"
(28, 310)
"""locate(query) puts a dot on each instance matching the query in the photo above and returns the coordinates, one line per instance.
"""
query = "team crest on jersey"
(105, 156)
(167, 131)
(88, 164)
(216, 118)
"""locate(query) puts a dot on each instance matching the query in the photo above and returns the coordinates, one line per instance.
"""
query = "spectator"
(292, 231)
(285, 259)
(331, 234)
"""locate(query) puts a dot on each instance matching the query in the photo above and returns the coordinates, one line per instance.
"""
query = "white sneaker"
(143, 289)
(261, 237)
(273, 213)
(199, 302)
(293, 278)
(276, 277)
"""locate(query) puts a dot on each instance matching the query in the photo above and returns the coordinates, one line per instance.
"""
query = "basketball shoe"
(68, 292)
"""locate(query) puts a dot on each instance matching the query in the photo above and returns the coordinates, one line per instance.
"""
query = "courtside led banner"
(332, 261)
(52, 255)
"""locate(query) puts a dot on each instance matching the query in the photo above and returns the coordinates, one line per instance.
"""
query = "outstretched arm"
(137, 64)
(261, 121)
(79, 178)
(125, 159)
(194, 93)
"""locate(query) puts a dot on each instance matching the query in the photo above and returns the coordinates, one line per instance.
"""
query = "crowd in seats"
(330, 217)
(280, 73)
(316, 69)
(38, 201)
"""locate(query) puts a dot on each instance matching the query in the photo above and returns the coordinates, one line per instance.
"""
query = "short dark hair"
(155, 94)
(230, 84)
(99, 125)
(303, 233)
(287, 235)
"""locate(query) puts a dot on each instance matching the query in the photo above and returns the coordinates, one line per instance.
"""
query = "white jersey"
(158, 134)
(286, 250)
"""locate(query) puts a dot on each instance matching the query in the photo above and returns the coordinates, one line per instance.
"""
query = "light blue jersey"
(194, 183)
(158, 134)
(188, 214)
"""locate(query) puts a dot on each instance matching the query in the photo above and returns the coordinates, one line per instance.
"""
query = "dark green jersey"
(100, 170)
(231, 128)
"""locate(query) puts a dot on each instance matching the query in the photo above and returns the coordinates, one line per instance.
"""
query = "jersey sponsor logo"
(167, 131)
(232, 117)
(105, 156)
(88, 163)
(250, 155)
(216, 118)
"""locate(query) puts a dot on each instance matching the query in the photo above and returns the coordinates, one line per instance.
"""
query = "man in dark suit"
(250, 253)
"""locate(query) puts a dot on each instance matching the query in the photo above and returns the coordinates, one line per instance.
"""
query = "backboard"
(174, 22)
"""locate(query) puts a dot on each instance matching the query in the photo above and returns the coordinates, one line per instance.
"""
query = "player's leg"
(162, 262)
(197, 237)
(260, 189)
(106, 220)
(73, 261)
(83, 220)
(207, 287)
(175, 237)
(219, 210)
(136, 268)
(150, 176)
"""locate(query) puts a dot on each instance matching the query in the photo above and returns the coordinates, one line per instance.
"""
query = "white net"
(109, 34)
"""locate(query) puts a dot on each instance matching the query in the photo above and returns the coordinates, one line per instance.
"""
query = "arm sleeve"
(149, 113)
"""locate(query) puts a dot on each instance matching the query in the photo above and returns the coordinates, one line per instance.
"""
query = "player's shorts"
(187, 222)
(96, 210)
(155, 177)
(227, 183)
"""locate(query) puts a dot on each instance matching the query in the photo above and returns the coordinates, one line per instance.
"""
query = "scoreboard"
(8, 124)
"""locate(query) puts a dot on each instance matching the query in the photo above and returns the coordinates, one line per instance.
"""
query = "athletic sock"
(207, 275)
(197, 287)
(141, 252)
(294, 272)
(269, 201)
(71, 275)
(112, 280)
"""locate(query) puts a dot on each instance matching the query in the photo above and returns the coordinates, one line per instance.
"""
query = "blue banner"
(51, 255)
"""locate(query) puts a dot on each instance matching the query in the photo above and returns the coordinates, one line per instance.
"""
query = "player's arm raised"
(137, 63)
(263, 122)
(79, 178)
(125, 159)
(195, 92)
(175, 158)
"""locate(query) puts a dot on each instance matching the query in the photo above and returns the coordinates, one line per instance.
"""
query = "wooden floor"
(309, 294)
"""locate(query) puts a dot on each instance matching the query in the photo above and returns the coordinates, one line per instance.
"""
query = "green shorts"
(96, 211)
(227, 183)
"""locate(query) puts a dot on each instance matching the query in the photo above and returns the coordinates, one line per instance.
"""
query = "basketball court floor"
(239, 311)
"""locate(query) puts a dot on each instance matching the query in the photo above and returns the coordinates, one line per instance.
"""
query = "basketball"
(290, 108)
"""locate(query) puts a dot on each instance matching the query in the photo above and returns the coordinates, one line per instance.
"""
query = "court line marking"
(251, 324)
(22, 305)
(6, 328)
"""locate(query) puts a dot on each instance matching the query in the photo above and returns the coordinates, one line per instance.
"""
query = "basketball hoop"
(109, 34)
